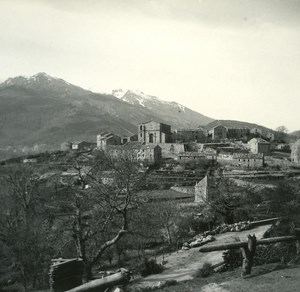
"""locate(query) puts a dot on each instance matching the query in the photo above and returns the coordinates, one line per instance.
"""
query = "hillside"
(46, 110)
(296, 134)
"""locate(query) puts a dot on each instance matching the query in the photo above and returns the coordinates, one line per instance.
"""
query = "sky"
(227, 59)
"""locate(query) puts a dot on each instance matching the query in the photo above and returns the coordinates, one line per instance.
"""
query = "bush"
(151, 267)
(205, 271)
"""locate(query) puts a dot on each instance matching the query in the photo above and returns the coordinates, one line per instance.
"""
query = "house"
(191, 135)
(224, 129)
(149, 154)
(218, 132)
(154, 132)
(248, 160)
(104, 139)
(238, 132)
(171, 150)
(256, 131)
(65, 146)
(83, 145)
(259, 145)
(210, 154)
(271, 137)
(226, 153)
(131, 138)
(30, 160)
(295, 154)
(283, 147)
(197, 157)
(191, 156)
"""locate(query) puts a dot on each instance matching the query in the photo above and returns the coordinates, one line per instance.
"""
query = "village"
(197, 187)
(228, 145)
(222, 170)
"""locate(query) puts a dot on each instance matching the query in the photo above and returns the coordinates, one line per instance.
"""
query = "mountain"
(42, 109)
(175, 113)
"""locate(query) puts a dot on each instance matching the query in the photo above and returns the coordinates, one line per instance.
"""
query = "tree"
(284, 200)
(281, 133)
(101, 210)
(25, 229)
(230, 202)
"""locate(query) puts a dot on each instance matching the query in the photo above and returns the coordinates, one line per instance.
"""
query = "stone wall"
(184, 190)
(171, 150)
(295, 154)
(201, 191)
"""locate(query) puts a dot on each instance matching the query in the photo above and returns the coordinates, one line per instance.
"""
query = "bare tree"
(103, 198)
(24, 225)
(281, 133)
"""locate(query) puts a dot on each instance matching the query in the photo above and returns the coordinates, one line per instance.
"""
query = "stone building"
(30, 160)
(271, 137)
(65, 146)
(191, 135)
(171, 150)
(248, 160)
(295, 153)
(256, 131)
(126, 139)
(150, 154)
(259, 145)
(238, 133)
(83, 145)
(218, 132)
(154, 132)
(104, 139)
(192, 156)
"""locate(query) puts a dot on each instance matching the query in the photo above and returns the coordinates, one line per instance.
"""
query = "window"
(150, 138)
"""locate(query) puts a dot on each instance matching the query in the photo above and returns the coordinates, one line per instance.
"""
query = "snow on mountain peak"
(119, 93)
(137, 97)
(27, 80)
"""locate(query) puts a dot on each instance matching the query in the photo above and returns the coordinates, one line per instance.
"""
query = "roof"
(259, 140)
(133, 146)
(191, 130)
(192, 154)
(105, 135)
(248, 156)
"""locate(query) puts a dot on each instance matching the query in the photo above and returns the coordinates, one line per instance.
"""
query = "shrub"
(205, 271)
(151, 267)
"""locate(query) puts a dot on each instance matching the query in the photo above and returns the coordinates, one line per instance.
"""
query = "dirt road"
(182, 266)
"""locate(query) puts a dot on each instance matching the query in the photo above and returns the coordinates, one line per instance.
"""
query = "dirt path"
(181, 266)
(262, 279)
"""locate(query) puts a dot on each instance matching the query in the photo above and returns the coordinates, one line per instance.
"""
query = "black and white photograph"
(149, 145)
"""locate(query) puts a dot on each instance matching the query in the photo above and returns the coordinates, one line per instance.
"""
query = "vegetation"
(99, 208)
(205, 271)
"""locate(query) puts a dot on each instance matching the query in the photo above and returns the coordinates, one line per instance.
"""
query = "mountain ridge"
(41, 109)
(46, 110)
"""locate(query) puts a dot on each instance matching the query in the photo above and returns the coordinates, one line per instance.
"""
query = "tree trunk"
(248, 255)
(169, 235)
